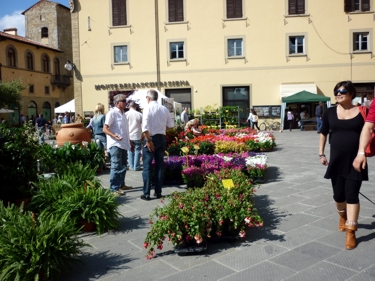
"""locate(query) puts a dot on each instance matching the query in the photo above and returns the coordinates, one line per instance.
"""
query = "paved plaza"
(299, 240)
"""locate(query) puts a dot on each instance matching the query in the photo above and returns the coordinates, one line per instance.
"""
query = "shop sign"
(141, 85)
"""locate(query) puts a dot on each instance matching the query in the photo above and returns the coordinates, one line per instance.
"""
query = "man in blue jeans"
(319, 115)
(117, 130)
(156, 120)
(135, 133)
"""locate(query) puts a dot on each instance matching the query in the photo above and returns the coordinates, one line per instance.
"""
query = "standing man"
(40, 127)
(156, 119)
(66, 119)
(184, 116)
(135, 133)
(117, 130)
(319, 115)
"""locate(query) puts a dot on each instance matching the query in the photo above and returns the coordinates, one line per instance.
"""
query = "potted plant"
(191, 217)
(36, 247)
(92, 205)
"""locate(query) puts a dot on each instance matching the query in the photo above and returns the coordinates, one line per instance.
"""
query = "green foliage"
(19, 152)
(34, 247)
(77, 194)
(205, 147)
(10, 93)
(91, 204)
(57, 158)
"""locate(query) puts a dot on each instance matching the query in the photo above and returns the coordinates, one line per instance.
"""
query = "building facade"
(38, 59)
(221, 52)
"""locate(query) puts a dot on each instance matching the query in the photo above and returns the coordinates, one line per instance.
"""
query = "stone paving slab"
(299, 240)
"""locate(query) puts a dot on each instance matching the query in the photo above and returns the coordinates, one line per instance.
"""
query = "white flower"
(253, 161)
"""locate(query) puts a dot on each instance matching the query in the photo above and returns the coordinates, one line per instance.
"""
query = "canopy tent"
(139, 97)
(302, 97)
(67, 107)
(6, 110)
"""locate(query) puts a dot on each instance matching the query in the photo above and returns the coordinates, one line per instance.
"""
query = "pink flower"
(242, 234)
(218, 233)
(145, 245)
(248, 220)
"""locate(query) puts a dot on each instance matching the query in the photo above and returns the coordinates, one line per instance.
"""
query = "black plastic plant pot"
(191, 247)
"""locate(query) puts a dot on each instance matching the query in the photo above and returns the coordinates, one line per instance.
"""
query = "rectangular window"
(356, 5)
(235, 47)
(175, 10)
(121, 54)
(31, 89)
(361, 41)
(119, 12)
(182, 96)
(296, 45)
(237, 96)
(46, 90)
(296, 7)
(234, 9)
(176, 50)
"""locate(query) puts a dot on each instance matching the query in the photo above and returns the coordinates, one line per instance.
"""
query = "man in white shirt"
(116, 128)
(135, 132)
(156, 120)
(184, 116)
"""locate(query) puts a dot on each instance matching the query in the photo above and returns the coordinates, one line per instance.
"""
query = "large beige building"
(221, 52)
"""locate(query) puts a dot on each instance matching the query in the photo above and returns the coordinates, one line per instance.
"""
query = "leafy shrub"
(19, 152)
(32, 247)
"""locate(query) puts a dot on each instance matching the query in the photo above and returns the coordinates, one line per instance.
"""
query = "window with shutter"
(119, 12)
(234, 9)
(175, 10)
(356, 5)
(296, 7)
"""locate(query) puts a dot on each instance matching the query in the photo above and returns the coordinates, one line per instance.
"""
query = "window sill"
(121, 63)
(176, 60)
(360, 12)
(362, 52)
(120, 26)
(297, 16)
(236, 57)
(296, 55)
(235, 19)
(176, 22)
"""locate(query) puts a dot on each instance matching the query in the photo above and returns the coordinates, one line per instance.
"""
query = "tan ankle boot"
(342, 214)
(351, 241)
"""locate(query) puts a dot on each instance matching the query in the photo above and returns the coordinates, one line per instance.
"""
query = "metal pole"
(157, 44)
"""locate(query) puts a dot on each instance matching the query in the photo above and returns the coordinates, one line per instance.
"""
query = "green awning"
(305, 96)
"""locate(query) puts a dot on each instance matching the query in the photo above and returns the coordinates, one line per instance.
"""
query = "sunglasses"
(122, 101)
(341, 91)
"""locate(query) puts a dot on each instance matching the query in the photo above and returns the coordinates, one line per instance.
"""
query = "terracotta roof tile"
(27, 41)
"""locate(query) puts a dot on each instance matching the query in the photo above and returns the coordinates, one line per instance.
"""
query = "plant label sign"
(228, 183)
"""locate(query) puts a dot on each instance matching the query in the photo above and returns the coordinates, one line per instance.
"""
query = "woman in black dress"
(344, 123)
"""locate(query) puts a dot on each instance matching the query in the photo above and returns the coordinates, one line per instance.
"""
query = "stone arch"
(32, 109)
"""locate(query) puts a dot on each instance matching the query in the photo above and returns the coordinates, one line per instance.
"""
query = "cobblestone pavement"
(299, 240)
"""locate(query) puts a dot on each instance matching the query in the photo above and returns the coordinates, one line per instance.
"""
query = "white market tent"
(67, 107)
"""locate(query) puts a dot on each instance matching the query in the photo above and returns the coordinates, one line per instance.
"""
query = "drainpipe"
(157, 44)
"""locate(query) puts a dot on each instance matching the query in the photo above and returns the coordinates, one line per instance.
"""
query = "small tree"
(10, 93)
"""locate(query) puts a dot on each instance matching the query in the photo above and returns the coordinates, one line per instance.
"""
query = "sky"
(10, 13)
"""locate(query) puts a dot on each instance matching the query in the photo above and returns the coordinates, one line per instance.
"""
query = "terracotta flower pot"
(74, 133)
(88, 226)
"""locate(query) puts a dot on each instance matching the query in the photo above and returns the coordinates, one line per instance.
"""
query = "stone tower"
(49, 23)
